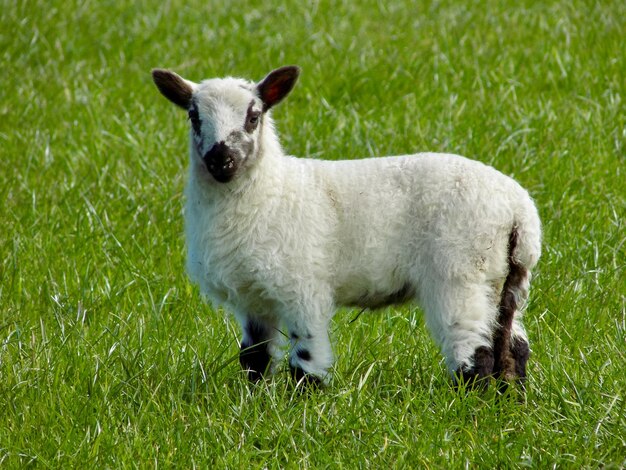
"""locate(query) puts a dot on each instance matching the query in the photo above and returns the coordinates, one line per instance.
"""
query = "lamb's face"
(226, 119)
(226, 116)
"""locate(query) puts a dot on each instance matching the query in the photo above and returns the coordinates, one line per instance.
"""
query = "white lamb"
(283, 241)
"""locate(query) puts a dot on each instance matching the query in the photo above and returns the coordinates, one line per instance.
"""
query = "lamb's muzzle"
(220, 161)
(282, 242)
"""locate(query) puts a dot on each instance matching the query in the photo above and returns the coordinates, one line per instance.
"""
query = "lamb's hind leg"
(510, 339)
(520, 349)
(461, 317)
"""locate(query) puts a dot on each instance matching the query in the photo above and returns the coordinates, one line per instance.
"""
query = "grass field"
(109, 358)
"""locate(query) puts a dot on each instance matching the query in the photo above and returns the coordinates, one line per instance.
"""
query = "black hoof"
(308, 380)
(255, 359)
(479, 375)
(520, 352)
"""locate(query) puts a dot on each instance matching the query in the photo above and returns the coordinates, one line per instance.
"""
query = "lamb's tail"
(523, 252)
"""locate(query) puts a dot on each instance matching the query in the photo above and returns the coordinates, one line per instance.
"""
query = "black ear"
(278, 83)
(174, 87)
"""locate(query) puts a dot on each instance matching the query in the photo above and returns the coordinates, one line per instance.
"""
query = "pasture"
(110, 359)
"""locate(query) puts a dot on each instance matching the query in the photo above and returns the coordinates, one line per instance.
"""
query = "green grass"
(108, 357)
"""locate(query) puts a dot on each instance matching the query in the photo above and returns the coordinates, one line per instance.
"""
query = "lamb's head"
(226, 116)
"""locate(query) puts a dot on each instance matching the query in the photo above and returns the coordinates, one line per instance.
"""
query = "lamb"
(281, 242)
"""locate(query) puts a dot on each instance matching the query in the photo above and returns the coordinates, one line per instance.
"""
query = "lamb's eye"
(252, 120)
(193, 114)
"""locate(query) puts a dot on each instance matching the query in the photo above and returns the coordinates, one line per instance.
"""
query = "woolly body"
(288, 240)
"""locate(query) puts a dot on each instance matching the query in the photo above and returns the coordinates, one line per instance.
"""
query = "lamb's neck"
(269, 145)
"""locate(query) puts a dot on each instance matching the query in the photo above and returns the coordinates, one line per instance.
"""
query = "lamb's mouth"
(222, 171)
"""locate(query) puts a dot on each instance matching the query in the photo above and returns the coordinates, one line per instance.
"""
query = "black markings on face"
(194, 117)
(252, 119)
(221, 162)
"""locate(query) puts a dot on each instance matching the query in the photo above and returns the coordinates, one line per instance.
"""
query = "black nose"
(216, 153)
(220, 161)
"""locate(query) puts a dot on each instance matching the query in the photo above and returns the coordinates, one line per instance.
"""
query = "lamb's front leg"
(258, 345)
(310, 355)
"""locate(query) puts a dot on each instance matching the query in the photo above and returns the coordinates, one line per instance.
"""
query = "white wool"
(290, 239)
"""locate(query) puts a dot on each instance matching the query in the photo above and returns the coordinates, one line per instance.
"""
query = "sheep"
(282, 242)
